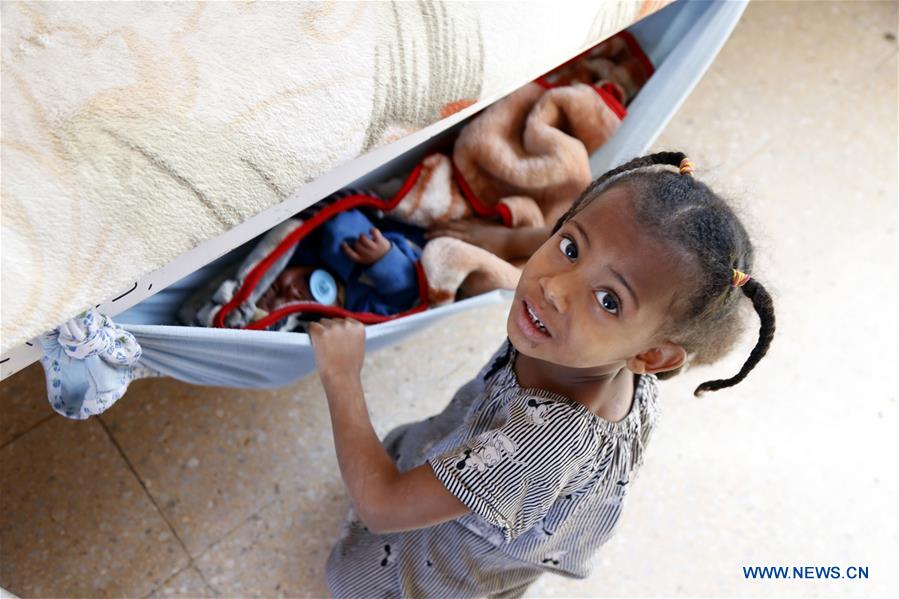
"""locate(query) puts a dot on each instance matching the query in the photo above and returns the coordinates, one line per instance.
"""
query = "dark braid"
(707, 233)
(764, 306)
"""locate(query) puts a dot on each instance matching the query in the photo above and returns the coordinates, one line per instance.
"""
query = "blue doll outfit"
(386, 287)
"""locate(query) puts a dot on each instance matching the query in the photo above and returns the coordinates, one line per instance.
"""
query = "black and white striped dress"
(543, 476)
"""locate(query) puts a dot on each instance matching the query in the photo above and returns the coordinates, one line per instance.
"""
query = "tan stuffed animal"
(525, 159)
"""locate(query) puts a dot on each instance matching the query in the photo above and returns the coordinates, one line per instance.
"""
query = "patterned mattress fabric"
(133, 133)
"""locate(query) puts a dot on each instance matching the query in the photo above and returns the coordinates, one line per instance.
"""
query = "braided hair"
(706, 232)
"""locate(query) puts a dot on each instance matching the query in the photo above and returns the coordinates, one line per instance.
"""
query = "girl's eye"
(608, 301)
(568, 248)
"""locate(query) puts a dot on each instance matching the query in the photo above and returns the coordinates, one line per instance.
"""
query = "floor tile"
(812, 53)
(187, 584)
(24, 400)
(210, 456)
(74, 520)
(827, 218)
(281, 550)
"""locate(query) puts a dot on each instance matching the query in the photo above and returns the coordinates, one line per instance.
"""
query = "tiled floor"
(196, 492)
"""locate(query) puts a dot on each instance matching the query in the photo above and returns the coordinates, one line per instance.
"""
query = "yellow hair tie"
(739, 278)
(686, 167)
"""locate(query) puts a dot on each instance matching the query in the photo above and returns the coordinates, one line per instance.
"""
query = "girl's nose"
(555, 291)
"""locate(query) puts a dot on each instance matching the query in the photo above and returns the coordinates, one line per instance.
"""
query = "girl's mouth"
(530, 324)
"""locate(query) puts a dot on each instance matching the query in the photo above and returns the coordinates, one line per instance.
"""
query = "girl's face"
(595, 294)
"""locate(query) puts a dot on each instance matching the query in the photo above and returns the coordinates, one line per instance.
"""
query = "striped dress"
(544, 478)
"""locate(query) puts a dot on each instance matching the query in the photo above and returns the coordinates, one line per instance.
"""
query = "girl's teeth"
(536, 320)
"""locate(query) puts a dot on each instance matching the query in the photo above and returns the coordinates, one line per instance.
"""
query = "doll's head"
(640, 272)
(294, 285)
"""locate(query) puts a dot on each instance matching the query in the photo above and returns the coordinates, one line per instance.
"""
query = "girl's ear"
(664, 357)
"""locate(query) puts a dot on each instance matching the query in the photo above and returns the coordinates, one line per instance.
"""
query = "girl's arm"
(385, 499)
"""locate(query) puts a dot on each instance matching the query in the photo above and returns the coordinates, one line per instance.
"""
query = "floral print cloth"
(89, 362)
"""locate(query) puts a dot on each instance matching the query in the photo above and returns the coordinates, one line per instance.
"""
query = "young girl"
(525, 470)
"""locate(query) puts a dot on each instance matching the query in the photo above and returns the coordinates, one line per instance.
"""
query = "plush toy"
(525, 159)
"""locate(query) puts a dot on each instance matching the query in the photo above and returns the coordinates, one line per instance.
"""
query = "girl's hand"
(339, 347)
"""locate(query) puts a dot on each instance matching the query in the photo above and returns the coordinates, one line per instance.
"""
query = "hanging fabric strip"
(89, 362)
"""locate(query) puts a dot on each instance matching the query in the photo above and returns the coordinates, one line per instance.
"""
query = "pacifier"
(323, 287)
